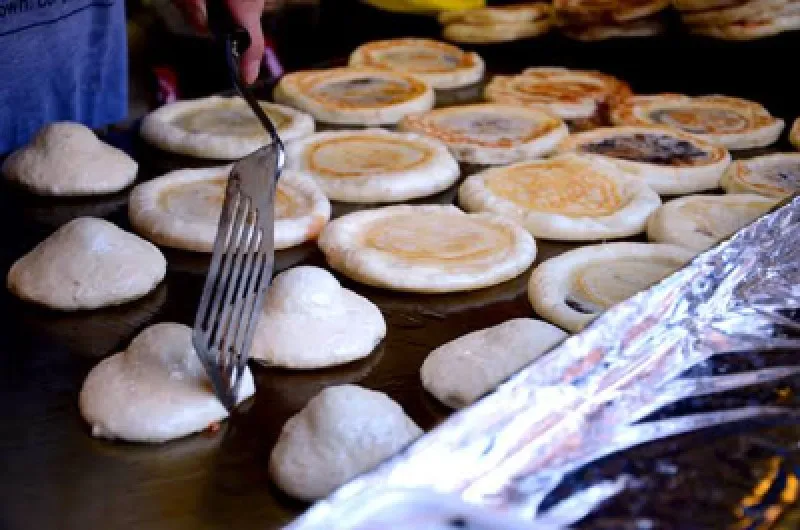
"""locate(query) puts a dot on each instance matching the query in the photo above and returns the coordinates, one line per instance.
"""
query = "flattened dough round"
(498, 32)
(570, 94)
(794, 134)
(86, 264)
(374, 165)
(490, 133)
(439, 64)
(735, 123)
(645, 27)
(750, 29)
(615, 10)
(181, 209)
(68, 159)
(775, 176)
(220, 128)
(568, 198)
(672, 162)
(311, 321)
(343, 431)
(506, 14)
(698, 222)
(427, 248)
(355, 96)
(570, 290)
(154, 391)
(461, 371)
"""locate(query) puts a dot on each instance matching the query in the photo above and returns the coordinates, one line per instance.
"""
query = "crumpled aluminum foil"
(492, 465)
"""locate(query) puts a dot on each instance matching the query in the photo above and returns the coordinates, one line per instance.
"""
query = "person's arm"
(246, 13)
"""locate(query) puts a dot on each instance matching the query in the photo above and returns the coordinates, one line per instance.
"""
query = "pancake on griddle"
(733, 122)
(776, 175)
(439, 64)
(570, 94)
(489, 133)
(355, 96)
(672, 162)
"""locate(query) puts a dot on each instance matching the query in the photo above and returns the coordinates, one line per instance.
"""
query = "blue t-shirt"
(60, 60)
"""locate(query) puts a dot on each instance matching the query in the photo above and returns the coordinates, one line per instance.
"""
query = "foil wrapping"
(492, 464)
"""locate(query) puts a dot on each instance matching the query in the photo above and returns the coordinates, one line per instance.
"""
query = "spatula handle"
(222, 25)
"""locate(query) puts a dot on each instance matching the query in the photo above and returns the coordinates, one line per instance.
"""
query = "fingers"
(247, 13)
(195, 13)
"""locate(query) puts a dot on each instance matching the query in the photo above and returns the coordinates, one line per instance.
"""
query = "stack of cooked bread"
(614, 177)
(486, 25)
(591, 20)
(594, 20)
(739, 19)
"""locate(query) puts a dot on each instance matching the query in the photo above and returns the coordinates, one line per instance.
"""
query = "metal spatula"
(244, 251)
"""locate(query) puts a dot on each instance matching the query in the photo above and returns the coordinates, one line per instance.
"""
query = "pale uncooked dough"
(310, 321)
(156, 390)
(461, 371)
(343, 431)
(68, 159)
(86, 264)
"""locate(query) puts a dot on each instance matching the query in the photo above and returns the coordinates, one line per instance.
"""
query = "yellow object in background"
(425, 6)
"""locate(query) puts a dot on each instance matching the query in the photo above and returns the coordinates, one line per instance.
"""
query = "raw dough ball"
(343, 431)
(156, 390)
(68, 159)
(461, 371)
(86, 264)
(310, 321)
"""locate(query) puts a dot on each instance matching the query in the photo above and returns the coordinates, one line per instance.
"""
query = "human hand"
(247, 14)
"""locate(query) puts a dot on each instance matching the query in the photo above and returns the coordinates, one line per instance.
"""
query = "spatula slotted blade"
(240, 272)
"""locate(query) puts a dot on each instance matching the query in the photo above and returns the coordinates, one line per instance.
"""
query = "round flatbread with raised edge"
(690, 6)
(750, 29)
(567, 198)
(439, 64)
(374, 165)
(464, 369)
(699, 222)
(181, 209)
(492, 33)
(730, 14)
(615, 10)
(427, 248)
(507, 14)
(776, 176)
(491, 134)
(67, 159)
(646, 27)
(794, 134)
(570, 94)
(355, 96)
(733, 122)
(220, 128)
(672, 162)
(571, 289)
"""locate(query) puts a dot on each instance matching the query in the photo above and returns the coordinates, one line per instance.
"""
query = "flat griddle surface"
(54, 475)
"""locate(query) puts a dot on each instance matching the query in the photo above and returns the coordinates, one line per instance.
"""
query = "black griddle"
(54, 475)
